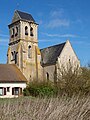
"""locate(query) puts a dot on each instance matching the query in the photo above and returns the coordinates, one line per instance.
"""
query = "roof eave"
(22, 20)
(13, 23)
(8, 81)
(29, 21)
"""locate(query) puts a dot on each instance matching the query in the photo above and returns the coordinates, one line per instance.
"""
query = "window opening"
(8, 89)
(47, 75)
(31, 31)
(29, 51)
(69, 60)
(1, 91)
(13, 32)
(26, 30)
(4, 91)
(15, 91)
(16, 31)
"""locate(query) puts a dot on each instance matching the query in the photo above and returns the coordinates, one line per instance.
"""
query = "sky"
(59, 20)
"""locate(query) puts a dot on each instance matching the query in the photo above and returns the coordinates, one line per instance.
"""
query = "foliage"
(40, 89)
(73, 80)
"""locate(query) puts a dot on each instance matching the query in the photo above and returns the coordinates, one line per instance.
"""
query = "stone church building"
(26, 61)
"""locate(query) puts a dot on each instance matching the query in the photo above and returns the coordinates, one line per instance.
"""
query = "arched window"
(47, 76)
(16, 31)
(29, 51)
(26, 30)
(13, 32)
(31, 32)
(69, 60)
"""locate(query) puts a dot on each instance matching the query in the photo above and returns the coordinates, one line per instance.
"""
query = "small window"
(8, 89)
(16, 31)
(47, 75)
(1, 91)
(31, 31)
(15, 91)
(12, 91)
(29, 51)
(4, 91)
(13, 32)
(69, 60)
(26, 30)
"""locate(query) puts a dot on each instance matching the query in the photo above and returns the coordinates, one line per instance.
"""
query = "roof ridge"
(18, 13)
(25, 16)
(23, 12)
(53, 46)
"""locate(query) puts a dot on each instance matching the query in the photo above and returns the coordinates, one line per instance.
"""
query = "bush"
(74, 81)
(40, 89)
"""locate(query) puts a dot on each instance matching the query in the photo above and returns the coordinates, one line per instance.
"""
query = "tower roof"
(50, 54)
(25, 16)
(19, 15)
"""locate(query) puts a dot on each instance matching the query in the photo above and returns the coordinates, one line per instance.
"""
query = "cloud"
(63, 35)
(57, 19)
(58, 23)
(57, 13)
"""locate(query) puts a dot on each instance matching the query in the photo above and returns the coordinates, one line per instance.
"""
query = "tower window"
(26, 30)
(29, 51)
(31, 31)
(16, 31)
(13, 32)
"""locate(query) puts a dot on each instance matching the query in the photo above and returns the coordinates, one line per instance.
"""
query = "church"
(26, 62)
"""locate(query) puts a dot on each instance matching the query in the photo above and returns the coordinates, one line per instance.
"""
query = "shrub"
(73, 80)
(40, 89)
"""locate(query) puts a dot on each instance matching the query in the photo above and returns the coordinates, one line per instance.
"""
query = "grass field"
(63, 108)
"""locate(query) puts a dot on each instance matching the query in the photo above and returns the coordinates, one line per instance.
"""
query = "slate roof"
(11, 73)
(50, 54)
(25, 16)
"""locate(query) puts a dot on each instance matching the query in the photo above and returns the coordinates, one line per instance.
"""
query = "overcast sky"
(58, 21)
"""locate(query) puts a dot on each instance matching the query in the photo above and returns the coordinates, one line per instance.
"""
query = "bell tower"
(23, 44)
